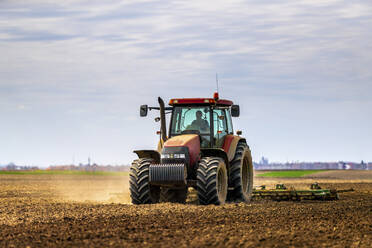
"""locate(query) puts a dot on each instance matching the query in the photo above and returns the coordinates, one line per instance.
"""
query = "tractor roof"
(198, 101)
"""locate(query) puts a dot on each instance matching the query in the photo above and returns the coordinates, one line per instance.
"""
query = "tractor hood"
(189, 141)
(182, 140)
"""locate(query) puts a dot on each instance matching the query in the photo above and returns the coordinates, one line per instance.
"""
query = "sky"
(74, 73)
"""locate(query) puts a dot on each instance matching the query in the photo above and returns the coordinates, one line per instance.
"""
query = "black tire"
(141, 191)
(241, 174)
(173, 195)
(212, 181)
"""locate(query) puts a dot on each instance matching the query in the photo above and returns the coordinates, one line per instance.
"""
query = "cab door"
(220, 127)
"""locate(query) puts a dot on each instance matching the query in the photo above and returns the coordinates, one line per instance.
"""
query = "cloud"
(246, 39)
(79, 63)
(21, 107)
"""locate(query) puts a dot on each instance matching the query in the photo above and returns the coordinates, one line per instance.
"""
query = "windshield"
(197, 118)
(191, 118)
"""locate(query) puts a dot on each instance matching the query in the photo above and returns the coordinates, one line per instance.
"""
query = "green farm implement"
(282, 193)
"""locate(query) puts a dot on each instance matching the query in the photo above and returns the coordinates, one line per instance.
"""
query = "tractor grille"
(167, 174)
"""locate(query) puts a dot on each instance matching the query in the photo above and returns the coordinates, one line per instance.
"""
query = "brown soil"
(361, 175)
(88, 211)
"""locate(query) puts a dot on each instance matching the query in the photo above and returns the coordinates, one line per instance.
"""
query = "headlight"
(176, 155)
(179, 155)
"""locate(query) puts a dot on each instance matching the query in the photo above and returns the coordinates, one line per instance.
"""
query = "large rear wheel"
(141, 191)
(173, 195)
(241, 174)
(212, 181)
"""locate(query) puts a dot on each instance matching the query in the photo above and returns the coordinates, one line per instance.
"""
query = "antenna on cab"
(215, 95)
(217, 82)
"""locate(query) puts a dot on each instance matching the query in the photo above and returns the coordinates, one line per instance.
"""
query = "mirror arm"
(158, 108)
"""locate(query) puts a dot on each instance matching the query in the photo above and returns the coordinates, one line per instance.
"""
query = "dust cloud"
(99, 189)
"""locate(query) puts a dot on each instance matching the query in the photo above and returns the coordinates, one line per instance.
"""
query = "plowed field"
(93, 211)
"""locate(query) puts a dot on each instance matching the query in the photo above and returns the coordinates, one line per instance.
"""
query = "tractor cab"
(208, 117)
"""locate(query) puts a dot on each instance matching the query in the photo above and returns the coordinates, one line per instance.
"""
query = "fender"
(230, 144)
(155, 155)
(215, 152)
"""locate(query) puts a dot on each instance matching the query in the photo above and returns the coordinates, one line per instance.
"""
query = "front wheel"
(141, 191)
(212, 181)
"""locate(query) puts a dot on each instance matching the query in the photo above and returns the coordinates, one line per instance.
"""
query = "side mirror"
(235, 111)
(239, 132)
(143, 110)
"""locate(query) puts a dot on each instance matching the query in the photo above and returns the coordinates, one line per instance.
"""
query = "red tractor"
(200, 151)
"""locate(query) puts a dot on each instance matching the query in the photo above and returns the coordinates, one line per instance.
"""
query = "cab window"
(229, 122)
(219, 126)
(191, 118)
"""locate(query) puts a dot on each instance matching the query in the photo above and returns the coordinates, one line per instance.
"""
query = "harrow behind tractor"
(282, 193)
(199, 150)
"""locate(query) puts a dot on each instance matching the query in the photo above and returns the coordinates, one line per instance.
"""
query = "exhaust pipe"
(163, 127)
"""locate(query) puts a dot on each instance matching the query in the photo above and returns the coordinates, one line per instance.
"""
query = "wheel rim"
(221, 184)
(245, 175)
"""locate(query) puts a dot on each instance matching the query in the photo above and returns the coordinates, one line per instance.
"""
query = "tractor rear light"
(206, 101)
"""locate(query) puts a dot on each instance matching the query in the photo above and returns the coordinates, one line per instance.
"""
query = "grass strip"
(291, 173)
